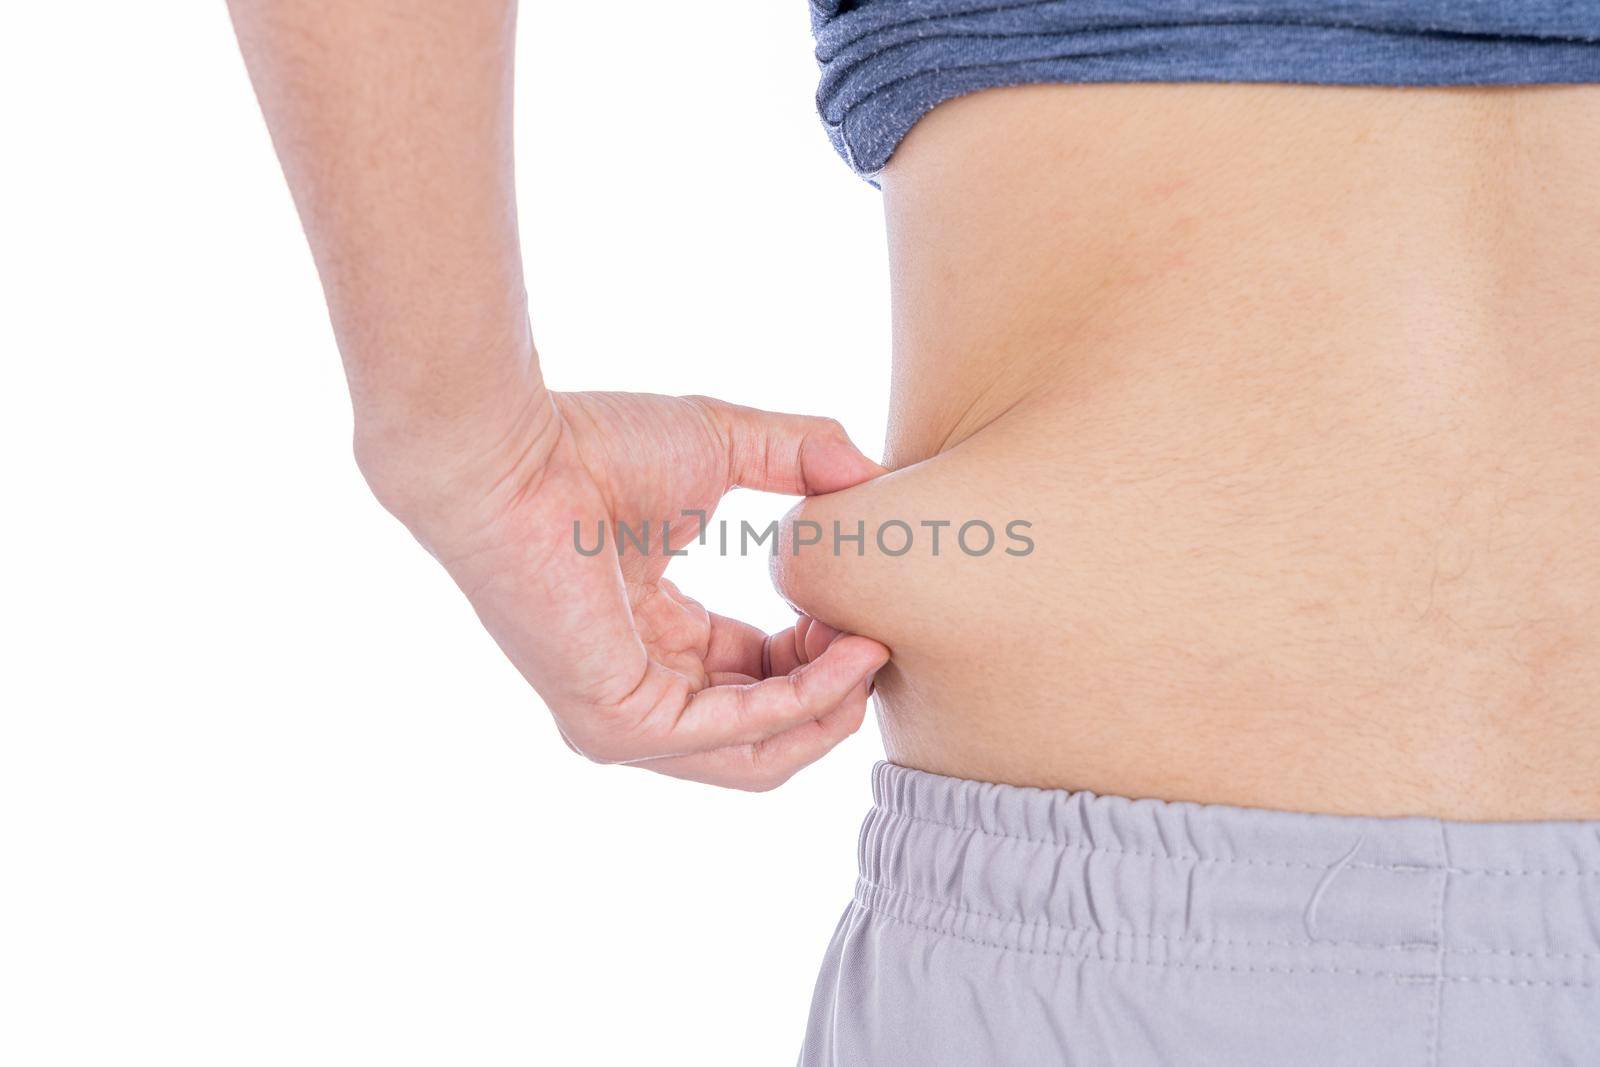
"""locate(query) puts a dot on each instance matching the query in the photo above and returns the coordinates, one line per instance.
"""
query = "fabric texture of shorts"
(999, 925)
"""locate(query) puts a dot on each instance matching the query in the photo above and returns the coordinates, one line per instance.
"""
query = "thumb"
(797, 454)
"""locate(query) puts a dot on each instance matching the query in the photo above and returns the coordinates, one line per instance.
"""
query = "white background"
(268, 794)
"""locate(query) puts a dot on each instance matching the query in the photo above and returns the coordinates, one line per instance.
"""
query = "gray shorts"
(998, 925)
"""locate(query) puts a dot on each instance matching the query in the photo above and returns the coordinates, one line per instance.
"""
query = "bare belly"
(1297, 392)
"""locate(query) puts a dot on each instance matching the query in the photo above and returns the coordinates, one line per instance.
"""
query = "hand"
(633, 670)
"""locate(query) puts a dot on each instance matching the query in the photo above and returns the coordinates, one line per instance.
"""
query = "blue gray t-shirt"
(886, 63)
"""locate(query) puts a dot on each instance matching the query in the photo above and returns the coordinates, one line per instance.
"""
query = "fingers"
(737, 648)
(796, 454)
(724, 715)
(806, 640)
(808, 679)
(769, 763)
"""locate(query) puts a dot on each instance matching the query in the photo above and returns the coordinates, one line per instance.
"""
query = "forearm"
(392, 119)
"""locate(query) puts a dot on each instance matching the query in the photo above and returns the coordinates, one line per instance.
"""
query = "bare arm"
(392, 119)
(393, 124)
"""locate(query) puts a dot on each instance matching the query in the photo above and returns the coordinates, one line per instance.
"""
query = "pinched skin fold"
(1300, 390)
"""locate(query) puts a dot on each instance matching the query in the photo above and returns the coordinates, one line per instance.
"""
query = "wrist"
(435, 471)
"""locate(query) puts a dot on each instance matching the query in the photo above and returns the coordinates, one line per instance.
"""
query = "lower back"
(1299, 392)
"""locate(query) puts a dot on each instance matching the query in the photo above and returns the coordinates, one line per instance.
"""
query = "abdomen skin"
(1298, 391)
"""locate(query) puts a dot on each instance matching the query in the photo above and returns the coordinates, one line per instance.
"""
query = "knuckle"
(831, 427)
(716, 412)
(590, 753)
(765, 780)
(802, 685)
(767, 770)
(604, 748)
(750, 707)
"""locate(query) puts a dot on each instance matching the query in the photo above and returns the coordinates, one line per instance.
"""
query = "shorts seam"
(1404, 946)
(1542, 983)
(1513, 954)
(1180, 857)
(1398, 977)
(1436, 1002)
(1104, 957)
(961, 909)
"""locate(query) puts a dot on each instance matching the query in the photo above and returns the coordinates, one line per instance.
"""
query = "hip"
(1318, 610)
(1000, 925)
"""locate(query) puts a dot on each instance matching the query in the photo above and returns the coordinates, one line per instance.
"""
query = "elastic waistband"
(1073, 873)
